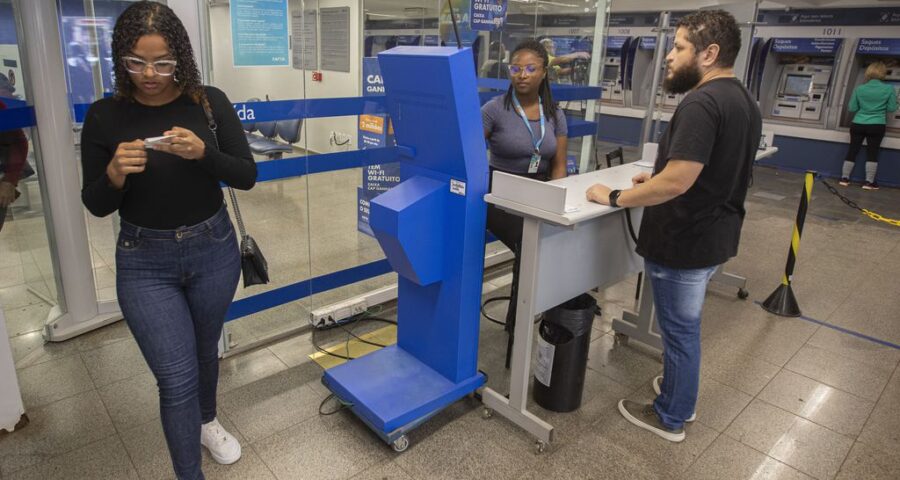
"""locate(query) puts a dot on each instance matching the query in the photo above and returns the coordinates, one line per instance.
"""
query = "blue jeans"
(174, 288)
(678, 295)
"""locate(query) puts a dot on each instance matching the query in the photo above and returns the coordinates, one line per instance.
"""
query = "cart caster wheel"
(487, 413)
(620, 339)
(743, 294)
(540, 447)
(401, 444)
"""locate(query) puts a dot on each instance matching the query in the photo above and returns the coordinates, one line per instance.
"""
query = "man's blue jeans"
(678, 295)
(174, 289)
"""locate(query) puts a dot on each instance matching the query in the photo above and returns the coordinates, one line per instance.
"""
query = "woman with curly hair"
(527, 134)
(177, 258)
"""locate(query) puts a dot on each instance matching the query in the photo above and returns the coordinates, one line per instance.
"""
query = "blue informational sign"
(648, 43)
(888, 47)
(831, 16)
(615, 43)
(259, 33)
(806, 46)
(374, 131)
(488, 15)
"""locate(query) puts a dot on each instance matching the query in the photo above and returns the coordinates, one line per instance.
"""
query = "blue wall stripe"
(560, 91)
(323, 162)
(289, 293)
(580, 128)
(847, 331)
(292, 109)
(16, 118)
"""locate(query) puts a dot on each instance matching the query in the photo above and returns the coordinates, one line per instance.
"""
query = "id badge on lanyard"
(535, 161)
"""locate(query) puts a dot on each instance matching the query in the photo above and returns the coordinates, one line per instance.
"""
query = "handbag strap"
(234, 201)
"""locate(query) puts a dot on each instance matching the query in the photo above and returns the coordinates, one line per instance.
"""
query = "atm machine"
(795, 78)
(639, 75)
(612, 83)
(801, 91)
(667, 102)
(868, 51)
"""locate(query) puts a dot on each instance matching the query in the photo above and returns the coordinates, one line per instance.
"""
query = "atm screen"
(610, 74)
(797, 84)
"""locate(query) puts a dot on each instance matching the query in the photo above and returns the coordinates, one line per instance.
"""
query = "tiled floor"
(781, 398)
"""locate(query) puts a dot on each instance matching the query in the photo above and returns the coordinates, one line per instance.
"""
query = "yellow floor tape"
(385, 336)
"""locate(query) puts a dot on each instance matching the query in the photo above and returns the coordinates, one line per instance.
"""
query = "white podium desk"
(569, 246)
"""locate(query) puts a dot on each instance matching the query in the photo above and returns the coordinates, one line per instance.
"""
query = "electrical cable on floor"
(350, 334)
(315, 345)
(494, 320)
(491, 300)
(342, 406)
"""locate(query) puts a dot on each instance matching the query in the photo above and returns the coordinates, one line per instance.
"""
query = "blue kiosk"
(431, 227)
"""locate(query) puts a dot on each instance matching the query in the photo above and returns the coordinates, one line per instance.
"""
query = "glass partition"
(29, 292)
(313, 225)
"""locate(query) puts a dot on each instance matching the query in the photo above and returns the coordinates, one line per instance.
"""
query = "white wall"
(283, 83)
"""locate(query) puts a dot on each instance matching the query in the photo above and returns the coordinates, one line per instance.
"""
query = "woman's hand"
(130, 157)
(185, 144)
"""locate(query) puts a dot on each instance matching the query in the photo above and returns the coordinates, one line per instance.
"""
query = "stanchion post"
(782, 301)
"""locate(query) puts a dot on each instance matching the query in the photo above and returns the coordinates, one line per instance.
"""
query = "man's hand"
(640, 178)
(599, 193)
(185, 144)
(7, 194)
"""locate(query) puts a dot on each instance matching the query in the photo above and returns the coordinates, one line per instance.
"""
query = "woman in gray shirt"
(526, 132)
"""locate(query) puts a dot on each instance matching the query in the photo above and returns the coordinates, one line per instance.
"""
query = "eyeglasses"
(530, 69)
(161, 67)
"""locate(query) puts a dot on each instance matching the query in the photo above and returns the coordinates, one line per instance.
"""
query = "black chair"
(617, 153)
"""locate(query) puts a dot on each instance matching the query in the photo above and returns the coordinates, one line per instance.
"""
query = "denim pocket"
(127, 243)
(221, 231)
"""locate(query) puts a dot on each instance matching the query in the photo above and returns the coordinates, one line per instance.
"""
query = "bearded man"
(694, 205)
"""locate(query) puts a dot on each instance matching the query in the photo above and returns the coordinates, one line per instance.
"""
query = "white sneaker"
(222, 446)
(656, 388)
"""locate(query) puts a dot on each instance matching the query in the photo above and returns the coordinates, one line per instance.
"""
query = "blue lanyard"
(521, 112)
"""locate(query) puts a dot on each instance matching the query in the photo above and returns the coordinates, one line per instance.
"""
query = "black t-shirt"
(171, 191)
(718, 125)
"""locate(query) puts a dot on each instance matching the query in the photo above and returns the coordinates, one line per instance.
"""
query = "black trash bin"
(565, 337)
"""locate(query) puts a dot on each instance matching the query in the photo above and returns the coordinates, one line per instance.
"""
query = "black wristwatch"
(614, 197)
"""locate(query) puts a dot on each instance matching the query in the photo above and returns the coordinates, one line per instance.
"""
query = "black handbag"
(254, 267)
(253, 263)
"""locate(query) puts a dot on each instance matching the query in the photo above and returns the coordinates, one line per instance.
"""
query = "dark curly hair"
(536, 48)
(148, 18)
(708, 27)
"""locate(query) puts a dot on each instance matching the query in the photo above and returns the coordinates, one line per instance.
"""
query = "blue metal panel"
(624, 130)
(432, 98)
(827, 158)
(413, 389)
(17, 118)
(405, 223)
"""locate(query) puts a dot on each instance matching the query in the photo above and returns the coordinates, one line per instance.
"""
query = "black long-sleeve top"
(171, 191)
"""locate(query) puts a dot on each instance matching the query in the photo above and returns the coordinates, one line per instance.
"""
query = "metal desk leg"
(514, 408)
(730, 279)
(640, 326)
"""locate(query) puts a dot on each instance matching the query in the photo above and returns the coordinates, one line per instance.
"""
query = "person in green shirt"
(870, 102)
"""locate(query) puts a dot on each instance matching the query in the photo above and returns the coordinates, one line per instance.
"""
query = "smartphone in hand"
(154, 141)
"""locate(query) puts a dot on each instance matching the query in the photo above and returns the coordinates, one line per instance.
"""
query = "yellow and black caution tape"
(852, 204)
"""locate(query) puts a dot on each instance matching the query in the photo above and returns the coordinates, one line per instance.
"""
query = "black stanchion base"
(782, 302)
